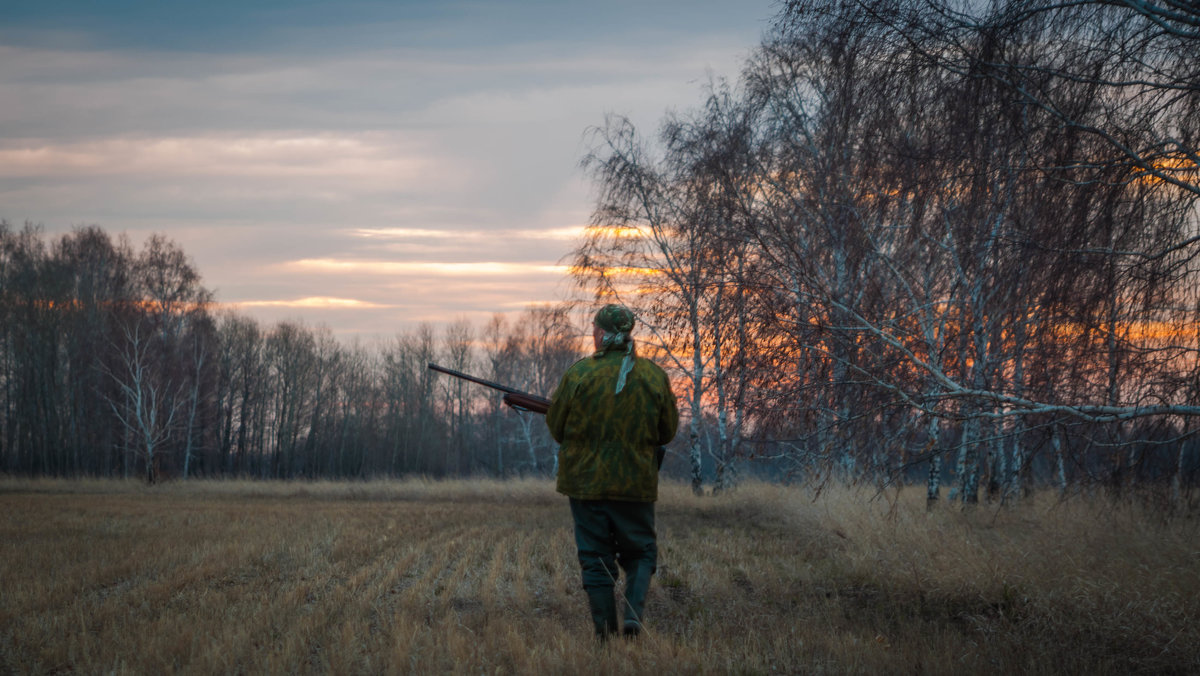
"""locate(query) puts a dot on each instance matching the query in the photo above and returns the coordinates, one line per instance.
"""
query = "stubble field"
(480, 577)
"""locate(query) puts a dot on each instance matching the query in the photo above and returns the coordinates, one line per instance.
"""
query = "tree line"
(927, 240)
(914, 240)
(116, 362)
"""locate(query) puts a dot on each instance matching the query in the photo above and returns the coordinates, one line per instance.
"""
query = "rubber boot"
(604, 612)
(637, 584)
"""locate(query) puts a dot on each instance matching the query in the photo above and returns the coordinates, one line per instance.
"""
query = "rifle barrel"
(481, 381)
(517, 399)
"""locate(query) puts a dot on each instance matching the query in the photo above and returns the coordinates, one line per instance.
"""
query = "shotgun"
(518, 400)
(523, 401)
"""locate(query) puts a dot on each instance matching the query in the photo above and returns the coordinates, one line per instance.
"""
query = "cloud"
(570, 232)
(462, 270)
(313, 302)
(368, 164)
(346, 157)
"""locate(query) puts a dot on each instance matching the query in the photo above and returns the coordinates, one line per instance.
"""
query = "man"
(610, 414)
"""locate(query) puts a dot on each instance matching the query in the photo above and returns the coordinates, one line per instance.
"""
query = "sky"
(366, 165)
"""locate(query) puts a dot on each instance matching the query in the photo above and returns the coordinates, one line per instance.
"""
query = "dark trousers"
(614, 535)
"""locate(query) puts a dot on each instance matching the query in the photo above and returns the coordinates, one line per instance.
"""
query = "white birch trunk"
(968, 462)
(1061, 463)
(998, 465)
(191, 424)
(697, 389)
(1177, 478)
(934, 484)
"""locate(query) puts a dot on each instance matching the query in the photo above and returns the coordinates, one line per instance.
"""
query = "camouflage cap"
(614, 319)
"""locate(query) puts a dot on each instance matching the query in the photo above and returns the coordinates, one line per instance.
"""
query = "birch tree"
(150, 399)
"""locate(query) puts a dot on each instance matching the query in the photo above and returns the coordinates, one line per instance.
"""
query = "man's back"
(609, 439)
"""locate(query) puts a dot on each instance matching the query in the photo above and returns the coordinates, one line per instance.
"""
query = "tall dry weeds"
(481, 577)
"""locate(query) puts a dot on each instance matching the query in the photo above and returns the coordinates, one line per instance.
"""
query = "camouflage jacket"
(608, 440)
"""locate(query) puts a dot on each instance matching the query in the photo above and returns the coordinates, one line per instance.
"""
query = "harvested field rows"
(481, 577)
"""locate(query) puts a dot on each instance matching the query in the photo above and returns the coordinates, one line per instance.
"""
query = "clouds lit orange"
(377, 267)
(313, 302)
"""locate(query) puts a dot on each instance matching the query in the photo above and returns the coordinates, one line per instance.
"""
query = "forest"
(940, 242)
(117, 362)
(955, 239)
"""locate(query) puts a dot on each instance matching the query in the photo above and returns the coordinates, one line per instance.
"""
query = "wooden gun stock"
(527, 402)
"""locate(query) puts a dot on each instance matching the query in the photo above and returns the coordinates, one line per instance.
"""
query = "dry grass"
(481, 577)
